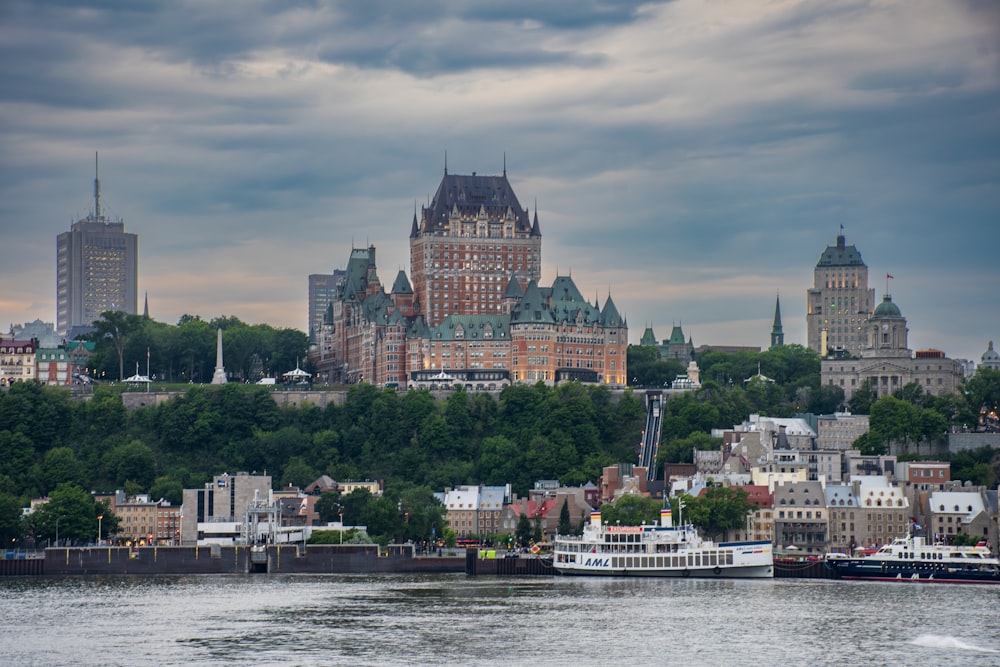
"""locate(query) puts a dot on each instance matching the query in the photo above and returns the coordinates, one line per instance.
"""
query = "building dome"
(887, 309)
(990, 358)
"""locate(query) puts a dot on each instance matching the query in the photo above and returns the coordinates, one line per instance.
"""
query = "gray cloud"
(692, 159)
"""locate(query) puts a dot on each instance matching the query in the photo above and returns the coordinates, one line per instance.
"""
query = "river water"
(458, 620)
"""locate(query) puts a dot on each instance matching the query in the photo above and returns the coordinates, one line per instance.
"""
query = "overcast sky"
(693, 158)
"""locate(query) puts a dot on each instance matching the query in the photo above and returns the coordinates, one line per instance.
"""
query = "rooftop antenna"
(446, 163)
(97, 191)
(505, 164)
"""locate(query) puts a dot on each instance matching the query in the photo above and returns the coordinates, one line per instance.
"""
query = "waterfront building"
(96, 269)
(220, 507)
(491, 502)
(953, 513)
(839, 302)
(844, 513)
(800, 519)
(885, 509)
(462, 510)
(887, 362)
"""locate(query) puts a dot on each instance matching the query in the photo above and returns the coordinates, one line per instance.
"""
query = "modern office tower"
(840, 301)
(322, 290)
(468, 243)
(96, 268)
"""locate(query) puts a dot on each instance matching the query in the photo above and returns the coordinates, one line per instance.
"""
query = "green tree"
(167, 488)
(61, 465)
(297, 473)
(117, 326)
(523, 530)
(133, 461)
(631, 510)
(10, 518)
(72, 513)
(982, 396)
(893, 420)
(565, 527)
(681, 450)
(863, 397)
(329, 507)
(719, 509)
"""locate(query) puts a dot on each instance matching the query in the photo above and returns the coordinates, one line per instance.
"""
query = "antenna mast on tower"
(97, 191)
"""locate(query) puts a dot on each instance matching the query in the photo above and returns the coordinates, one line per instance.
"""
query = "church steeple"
(777, 335)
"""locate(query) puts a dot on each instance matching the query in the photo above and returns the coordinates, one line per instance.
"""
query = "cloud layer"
(692, 158)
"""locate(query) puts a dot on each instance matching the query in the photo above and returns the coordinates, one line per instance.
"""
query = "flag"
(888, 277)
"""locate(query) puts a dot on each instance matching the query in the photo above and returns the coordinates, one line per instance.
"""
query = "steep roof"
(513, 290)
(840, 255)
(401, 284)
(533, 307)
(474, 196)
(648, 337)
(355, 281)
(609, 314)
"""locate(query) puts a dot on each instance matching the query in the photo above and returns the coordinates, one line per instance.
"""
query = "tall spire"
(97, 190)
(145, 307)
(777, 335)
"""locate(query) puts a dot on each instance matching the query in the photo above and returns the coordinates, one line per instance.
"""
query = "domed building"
(889, 362)
(990, 358)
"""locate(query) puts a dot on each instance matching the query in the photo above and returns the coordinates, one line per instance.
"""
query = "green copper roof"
(472, 327)
(402, 284)
(887, 309)
(609, 314)
(840, 255)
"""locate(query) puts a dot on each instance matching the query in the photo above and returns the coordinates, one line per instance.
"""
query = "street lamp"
(341, 527)
(99, 517)
(57, 530)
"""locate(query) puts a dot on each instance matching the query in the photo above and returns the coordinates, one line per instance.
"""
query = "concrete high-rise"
(840, 302)
(97, 268)
(468, 244)
(322, 291)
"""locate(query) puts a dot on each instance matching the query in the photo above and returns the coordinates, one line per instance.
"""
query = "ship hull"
(911, 572)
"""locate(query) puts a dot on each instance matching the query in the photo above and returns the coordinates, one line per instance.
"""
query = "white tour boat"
(658, 551)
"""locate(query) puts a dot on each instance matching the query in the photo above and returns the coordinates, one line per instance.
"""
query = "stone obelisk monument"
(219, 377)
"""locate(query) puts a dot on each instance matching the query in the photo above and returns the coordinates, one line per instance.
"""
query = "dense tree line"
(409, 439)
(187, 352)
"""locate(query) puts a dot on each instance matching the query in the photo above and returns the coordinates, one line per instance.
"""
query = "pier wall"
(276, 559)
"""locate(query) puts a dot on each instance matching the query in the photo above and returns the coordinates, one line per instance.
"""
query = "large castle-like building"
(474, 313)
